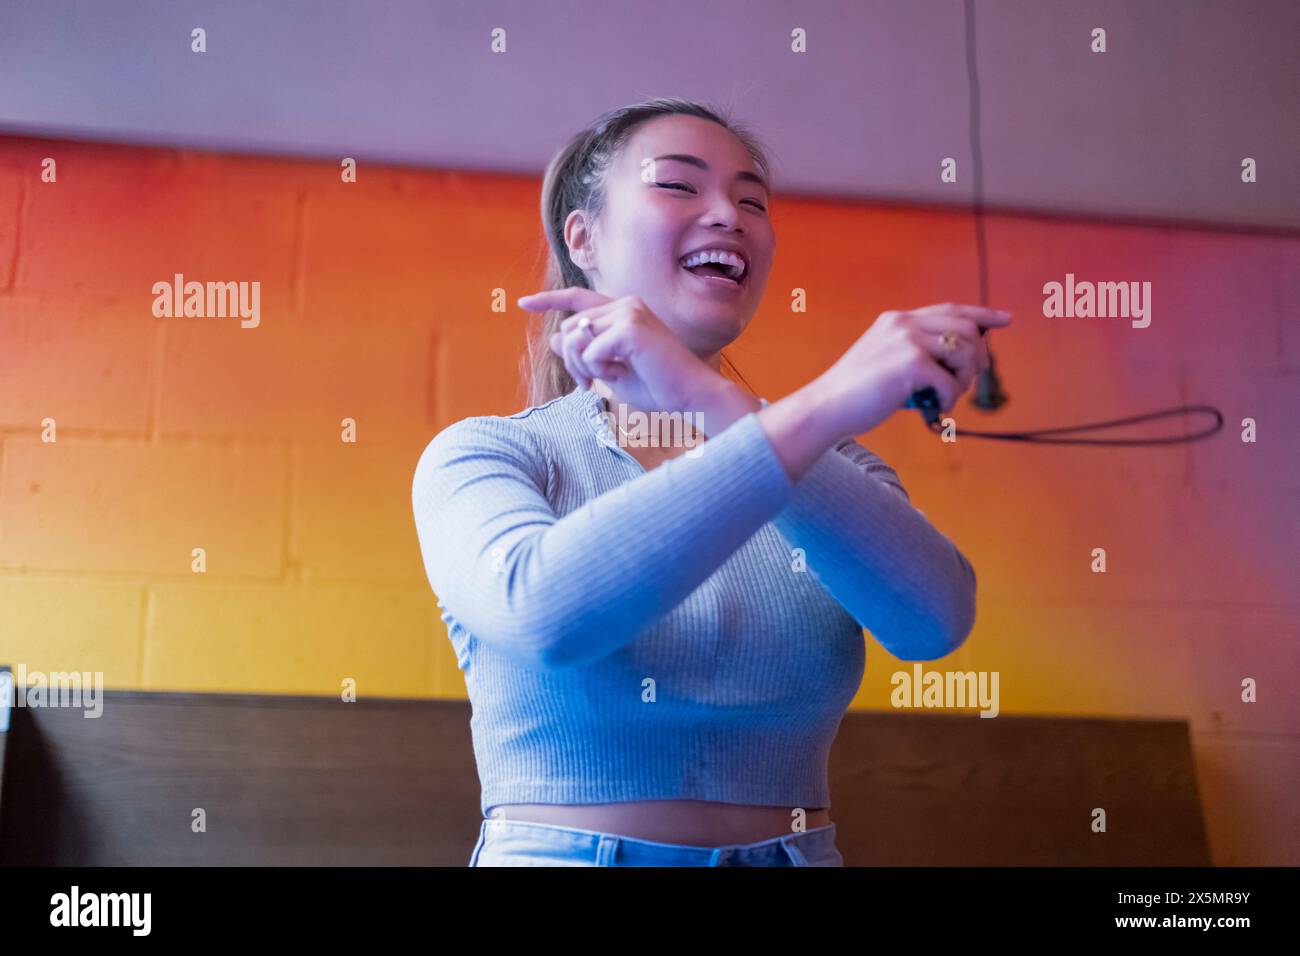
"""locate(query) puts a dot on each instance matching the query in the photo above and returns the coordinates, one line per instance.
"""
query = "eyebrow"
(743, 175)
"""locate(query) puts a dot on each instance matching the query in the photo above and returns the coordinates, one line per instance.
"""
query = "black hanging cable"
(988, 394)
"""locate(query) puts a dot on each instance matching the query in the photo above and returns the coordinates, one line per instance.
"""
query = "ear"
(578, 237)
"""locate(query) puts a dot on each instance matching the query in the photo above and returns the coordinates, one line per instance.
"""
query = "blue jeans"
(526, 843)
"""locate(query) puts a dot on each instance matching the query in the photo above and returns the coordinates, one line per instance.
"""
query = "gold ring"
(950, 340)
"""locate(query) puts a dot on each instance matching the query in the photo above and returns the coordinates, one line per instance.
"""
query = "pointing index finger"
(984, 317)
(574, 298)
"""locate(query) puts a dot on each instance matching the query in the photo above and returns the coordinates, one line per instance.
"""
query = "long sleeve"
(878, 556)
(554, 592)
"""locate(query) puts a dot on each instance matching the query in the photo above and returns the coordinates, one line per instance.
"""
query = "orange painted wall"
(179, 433)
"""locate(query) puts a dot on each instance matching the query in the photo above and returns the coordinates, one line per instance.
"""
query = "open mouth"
(717, 265)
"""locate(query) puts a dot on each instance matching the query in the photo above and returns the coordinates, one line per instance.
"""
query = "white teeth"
(735, 264)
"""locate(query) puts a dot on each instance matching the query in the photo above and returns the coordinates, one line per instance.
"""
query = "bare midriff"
(690, 822)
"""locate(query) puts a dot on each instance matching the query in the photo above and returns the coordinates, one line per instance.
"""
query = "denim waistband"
(803, 847)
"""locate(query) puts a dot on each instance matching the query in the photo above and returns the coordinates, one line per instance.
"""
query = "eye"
(686, 187)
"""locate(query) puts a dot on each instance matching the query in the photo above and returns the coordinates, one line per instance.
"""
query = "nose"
(724, 213)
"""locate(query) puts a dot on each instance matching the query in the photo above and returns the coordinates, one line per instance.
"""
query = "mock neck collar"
(590, 407)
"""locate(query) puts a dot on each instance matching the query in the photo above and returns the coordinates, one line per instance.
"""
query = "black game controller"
(927, 399)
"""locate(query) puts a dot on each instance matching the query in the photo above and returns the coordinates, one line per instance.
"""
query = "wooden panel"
(314, 781)
(282, 780)
(927, 789)
(6, 695)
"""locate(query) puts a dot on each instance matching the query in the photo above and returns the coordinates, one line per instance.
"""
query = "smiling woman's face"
(658, 209)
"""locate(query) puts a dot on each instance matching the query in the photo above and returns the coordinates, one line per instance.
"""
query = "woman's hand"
(626, 346)
(902, 353)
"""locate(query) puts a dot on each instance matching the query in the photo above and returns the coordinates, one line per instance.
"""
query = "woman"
(655, 677)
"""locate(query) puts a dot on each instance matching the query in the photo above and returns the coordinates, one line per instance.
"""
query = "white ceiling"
(1153, 129)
